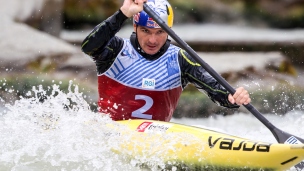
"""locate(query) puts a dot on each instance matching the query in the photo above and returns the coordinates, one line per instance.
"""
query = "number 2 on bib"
(139, 113)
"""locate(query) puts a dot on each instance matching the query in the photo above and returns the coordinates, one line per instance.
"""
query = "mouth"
(151, 47)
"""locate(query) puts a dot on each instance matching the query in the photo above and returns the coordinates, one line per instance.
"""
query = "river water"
(62, 133)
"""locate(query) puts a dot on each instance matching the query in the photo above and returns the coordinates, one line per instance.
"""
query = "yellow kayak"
(191, 148)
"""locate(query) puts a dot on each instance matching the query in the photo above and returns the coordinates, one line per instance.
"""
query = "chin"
(150, 52)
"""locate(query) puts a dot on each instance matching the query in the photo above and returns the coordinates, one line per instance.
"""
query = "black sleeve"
(102, 45)
(193, 72)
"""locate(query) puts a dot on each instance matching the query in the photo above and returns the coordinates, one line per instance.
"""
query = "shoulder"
(174, 48)
(185, 58)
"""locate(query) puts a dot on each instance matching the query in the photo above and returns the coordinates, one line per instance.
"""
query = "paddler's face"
(150, 39)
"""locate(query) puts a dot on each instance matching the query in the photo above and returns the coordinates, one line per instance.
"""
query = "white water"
(39, 136)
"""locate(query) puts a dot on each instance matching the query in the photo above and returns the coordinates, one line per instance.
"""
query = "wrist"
(125, 11)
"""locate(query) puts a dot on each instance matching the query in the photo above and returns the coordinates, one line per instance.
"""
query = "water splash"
(57, 132)
(53, 130)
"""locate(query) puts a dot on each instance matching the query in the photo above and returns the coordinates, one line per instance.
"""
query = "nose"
(152, 38)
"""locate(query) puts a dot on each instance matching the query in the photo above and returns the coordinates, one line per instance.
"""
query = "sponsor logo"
(153, 24)
(142, 127)
(136, 17)
(173, 65)
(148, 83)
(153, 127)
(292, 140)
(230, 144)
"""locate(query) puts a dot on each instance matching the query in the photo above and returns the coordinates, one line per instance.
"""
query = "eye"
(145, 30)
(160, 31)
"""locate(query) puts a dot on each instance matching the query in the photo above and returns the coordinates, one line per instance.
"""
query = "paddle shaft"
(280, 136)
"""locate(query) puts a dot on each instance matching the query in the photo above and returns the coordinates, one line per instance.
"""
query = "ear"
(134, 27)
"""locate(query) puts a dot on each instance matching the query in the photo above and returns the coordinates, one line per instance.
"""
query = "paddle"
(281, 136)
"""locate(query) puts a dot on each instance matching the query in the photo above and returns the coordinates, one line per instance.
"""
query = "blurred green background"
(261, 13)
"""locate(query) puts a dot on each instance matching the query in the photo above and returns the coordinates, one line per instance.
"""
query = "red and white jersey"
(134, 87)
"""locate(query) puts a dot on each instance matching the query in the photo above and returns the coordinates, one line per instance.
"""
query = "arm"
(104, 32)
(194, 73)
(101, 35)
(102, 44)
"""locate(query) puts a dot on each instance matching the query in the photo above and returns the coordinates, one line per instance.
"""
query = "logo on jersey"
(153, 127)
(148, 83)
(126, 52)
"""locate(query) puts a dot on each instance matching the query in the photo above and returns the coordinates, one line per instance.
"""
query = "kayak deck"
(192, 148)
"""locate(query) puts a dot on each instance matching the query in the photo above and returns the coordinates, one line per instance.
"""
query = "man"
(143, 77)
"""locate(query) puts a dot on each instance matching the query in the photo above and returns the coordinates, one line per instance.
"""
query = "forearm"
(203, 81)
(207, 84)
(103, 33)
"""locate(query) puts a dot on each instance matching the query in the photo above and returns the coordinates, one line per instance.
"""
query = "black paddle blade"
(286, 138)
(299, 166)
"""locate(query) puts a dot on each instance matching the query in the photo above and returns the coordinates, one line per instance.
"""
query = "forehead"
(151, 29)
